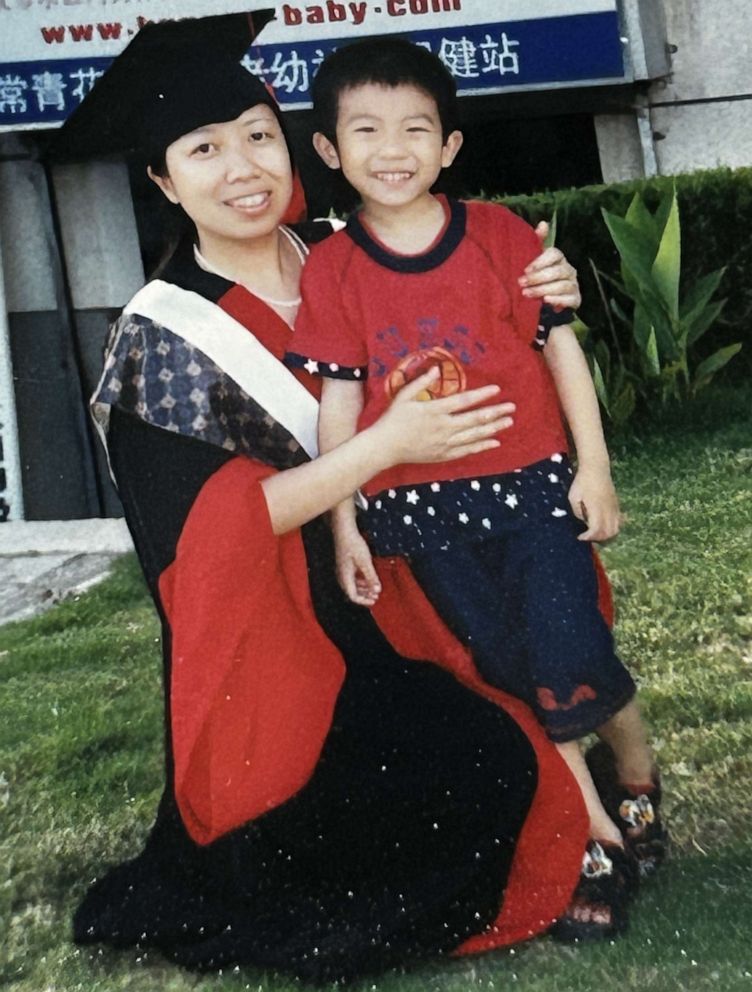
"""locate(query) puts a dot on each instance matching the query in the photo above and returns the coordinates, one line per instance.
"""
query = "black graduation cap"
(173, 77)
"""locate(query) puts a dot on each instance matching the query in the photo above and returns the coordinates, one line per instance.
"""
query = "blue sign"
(483, 58)
(45, 92)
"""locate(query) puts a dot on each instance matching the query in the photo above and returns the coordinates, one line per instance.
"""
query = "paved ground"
(43, 562)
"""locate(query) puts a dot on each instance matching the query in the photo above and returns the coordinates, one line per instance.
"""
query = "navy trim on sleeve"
(555, 318)
(550, 318)
(329, 370)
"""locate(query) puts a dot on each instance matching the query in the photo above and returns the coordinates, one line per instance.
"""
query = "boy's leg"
(586, 688)
(602, 827)
(483, 602)
(628, 783)
(626, 735)
(580, 683)
(482, 606)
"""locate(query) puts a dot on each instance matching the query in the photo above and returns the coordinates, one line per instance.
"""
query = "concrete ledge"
(49, 537)
(34, 583)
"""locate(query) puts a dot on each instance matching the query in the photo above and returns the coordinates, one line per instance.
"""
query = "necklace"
(300, 250)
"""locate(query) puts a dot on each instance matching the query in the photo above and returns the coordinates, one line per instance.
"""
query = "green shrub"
(664, 325)
(716, 217)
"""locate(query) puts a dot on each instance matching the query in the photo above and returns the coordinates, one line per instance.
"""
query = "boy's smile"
(390, 145)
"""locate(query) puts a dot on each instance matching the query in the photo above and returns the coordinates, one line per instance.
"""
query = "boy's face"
(389, 143)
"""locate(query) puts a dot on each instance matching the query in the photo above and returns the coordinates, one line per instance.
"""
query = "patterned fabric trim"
(232, 346)
(330, 370)
(168, 382)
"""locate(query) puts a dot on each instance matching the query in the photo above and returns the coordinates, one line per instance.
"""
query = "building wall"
(49, 412)
(700, 116)
(70, 258)
(103, 270)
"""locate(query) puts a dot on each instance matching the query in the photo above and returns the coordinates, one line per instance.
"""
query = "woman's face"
(234, 180)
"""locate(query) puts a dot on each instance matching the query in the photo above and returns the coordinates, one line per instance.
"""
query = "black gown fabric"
(399, 845)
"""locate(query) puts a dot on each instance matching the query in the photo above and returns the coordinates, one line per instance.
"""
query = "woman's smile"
(251, 203)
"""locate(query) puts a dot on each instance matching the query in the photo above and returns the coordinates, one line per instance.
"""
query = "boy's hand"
(593, 499)
(355, 570)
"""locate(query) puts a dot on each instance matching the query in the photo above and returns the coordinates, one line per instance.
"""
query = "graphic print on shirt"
(454, 351)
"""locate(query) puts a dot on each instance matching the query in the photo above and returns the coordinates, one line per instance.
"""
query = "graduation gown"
(343, 793)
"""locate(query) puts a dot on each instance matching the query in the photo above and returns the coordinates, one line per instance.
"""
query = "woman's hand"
(414, 430)
(550, 277)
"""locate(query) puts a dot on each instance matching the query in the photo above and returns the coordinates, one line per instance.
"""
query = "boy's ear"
(327, 151)
(164, 183)
(451, 147)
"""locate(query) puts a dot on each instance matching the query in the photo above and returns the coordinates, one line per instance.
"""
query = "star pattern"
(436, 514)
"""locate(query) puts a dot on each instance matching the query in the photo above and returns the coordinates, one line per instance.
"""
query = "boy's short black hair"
(388, 61)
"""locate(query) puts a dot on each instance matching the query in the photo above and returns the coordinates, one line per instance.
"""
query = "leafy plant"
(615, 385)
(657, 359)
(707, 199)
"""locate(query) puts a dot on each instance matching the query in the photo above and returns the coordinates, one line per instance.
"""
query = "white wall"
(98, 228)
(713, 61)
(701, 115)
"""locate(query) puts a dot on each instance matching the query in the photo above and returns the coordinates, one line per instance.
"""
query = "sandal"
(608, 882)
(636, 814)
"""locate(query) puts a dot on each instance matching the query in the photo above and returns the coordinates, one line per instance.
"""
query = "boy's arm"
(341, 404)
(592, 494)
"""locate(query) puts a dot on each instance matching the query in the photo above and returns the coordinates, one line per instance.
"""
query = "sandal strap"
(609, 878)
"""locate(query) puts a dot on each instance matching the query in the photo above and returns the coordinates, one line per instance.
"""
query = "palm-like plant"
(657, 359)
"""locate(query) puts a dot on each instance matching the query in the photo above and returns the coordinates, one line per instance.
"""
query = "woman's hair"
(388, 61)
(174, 225)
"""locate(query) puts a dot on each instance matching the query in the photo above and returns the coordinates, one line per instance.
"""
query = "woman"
(331, 807)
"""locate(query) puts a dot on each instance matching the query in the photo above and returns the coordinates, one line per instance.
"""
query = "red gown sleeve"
(254, 679)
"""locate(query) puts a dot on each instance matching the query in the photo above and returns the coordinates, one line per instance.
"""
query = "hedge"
(716, 218)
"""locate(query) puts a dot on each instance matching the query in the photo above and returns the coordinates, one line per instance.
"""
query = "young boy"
(499, 539)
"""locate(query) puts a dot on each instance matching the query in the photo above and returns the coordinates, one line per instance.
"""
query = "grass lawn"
(80, 740)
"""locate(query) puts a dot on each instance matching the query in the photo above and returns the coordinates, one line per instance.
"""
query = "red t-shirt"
(371, 314)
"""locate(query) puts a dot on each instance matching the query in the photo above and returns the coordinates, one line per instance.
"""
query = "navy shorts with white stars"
(499, 559)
